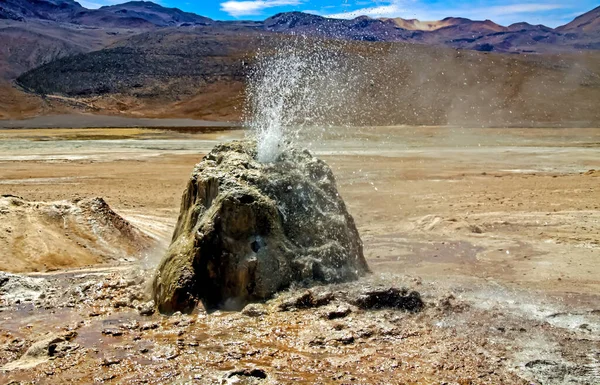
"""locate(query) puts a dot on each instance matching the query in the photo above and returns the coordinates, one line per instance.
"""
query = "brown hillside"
(196, 73)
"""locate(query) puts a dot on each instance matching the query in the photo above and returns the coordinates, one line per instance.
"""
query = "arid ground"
(498, 229)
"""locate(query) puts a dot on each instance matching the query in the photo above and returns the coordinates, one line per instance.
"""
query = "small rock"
(257, 373)
(307, 300)
(585, 327)
(149, 326)
(184, 323)
(346, 339)
(337, 312)
(133, 325)
(339, 326)
(534, 363)
(54, 345)
(110, 361)
(112, 332)
(392, 298)
(254, 310)
(147, 308)
(122, 302)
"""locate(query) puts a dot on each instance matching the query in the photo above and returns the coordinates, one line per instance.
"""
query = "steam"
(299, 87)
(294, 88)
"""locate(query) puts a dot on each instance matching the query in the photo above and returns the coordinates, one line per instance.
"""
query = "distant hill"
(154, 14)
(34, 32)
(587, 23)
(156, 71)
(456, 32)
(451, 32)
(460, 22)
(362, 28)
(133, 14)
(56, 10)
(26, 45)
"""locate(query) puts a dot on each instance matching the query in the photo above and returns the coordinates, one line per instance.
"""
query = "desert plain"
(498, 229)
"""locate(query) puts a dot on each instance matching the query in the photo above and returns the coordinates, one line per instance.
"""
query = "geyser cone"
(248, 229)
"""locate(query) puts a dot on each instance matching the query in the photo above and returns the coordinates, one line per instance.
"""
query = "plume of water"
(296, 85)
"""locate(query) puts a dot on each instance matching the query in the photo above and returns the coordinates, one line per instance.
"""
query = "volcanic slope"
(159, 73)
(200, 72)
(31, 44)
(26, 45)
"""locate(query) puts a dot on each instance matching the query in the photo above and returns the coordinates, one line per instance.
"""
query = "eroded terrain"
(497, 229)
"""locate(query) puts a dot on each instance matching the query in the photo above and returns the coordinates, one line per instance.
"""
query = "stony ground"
(98, 327)
(497, 229)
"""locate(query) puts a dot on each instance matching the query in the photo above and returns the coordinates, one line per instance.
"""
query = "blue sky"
(548, 12)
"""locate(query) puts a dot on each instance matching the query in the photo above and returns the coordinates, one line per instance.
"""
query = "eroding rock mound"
(247, 230)
(17, 288)
(52, 235)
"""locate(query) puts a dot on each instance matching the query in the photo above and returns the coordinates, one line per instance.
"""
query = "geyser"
(258, 216)
(295, 91)
(248, 229)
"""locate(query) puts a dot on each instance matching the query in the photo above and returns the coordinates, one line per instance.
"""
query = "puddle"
(460, 252)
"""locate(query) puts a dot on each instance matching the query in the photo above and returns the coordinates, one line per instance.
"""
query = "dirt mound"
(40, 236)
(248, 229)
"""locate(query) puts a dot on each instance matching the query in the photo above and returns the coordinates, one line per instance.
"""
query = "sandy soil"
(513, 205)
(505, 219)
(104, 121)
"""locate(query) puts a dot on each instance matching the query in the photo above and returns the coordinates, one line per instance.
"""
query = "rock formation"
(51, 235)
(51, 346)
(248, 229)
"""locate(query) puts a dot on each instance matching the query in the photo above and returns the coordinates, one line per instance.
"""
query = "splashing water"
(292, 87)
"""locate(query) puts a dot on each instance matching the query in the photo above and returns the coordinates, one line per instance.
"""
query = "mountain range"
(582, 33)
(145, 59)
(456, 32)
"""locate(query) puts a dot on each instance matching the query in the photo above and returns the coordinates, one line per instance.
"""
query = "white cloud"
(390, 10)
(90, 5)
(503, 10)
(254, 7)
